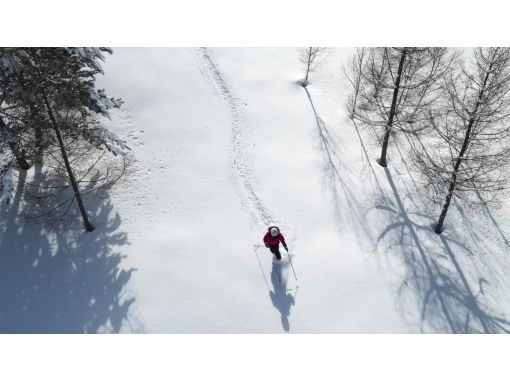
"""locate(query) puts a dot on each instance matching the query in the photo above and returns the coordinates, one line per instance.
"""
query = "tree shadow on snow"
(465, 218)
(340, 178)
(62, 282)
(434, 278)
(280, 298)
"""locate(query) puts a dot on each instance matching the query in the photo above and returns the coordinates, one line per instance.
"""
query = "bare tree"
(392, 89)
(311, 58)
(470, 151)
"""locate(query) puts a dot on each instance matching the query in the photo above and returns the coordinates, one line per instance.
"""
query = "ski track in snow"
(249, 199)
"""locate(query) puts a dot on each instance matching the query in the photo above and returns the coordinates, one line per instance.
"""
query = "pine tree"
(9, 137)
(50, 92)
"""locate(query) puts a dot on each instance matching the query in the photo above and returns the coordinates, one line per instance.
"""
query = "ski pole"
(292, 266)
(255, 246)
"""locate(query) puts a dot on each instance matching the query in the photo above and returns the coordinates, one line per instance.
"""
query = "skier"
(272, 240)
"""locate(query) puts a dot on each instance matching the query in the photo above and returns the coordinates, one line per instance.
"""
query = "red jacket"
(270, 240)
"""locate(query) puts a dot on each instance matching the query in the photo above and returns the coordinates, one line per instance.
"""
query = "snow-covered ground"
(227, 143)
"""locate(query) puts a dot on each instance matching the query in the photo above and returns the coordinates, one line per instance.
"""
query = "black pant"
(276, 250)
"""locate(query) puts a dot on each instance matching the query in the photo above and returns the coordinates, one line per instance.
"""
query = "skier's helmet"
(274, 232)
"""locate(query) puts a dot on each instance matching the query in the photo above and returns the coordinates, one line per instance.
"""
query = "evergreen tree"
(50, 93)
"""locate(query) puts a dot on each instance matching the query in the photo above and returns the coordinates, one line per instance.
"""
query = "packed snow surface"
(228, 143)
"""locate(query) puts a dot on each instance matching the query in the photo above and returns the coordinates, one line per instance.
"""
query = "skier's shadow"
(281, 300)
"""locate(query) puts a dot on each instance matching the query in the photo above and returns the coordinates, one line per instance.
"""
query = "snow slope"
(228, 143)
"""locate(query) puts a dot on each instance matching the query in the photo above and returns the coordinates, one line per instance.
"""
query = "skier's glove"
(286, 248)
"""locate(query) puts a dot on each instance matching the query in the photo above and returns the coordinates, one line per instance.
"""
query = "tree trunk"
(38, 146)
(305, 82)
(453, 181)
(38, 134)
(20, 156)
(18, 153)
(382, 160)
(465, 143)
(88, 225)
